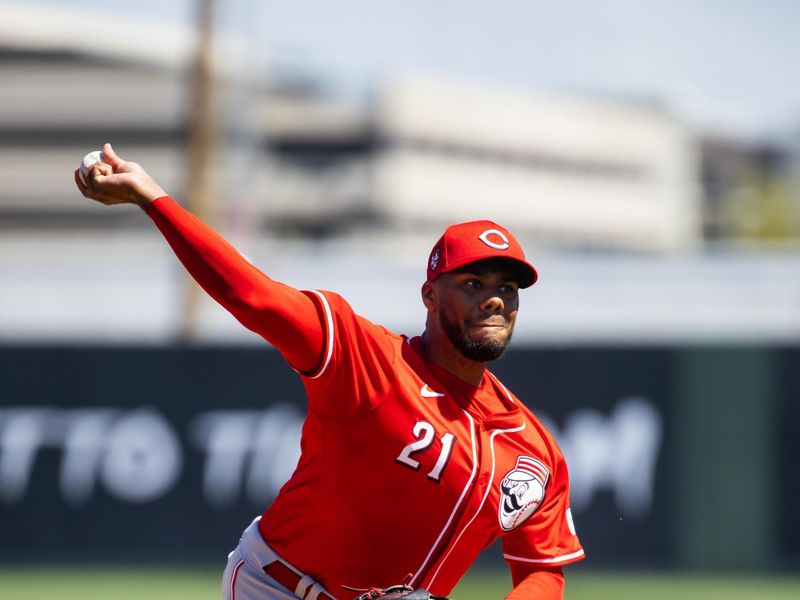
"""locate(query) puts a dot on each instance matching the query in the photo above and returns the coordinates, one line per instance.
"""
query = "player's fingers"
(99, 169)
(91, 193)
(111, 157)
(94, 176)
(102, 197)
(102, 179)
(109, 187)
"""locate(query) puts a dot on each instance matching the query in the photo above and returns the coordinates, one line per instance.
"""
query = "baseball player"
(414, 456)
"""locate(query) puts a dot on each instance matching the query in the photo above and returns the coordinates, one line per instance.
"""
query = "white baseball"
(88, 161)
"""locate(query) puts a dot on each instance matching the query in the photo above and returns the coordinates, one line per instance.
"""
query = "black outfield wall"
(678, 456)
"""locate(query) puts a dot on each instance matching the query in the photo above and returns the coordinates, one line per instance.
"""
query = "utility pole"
(203, 139)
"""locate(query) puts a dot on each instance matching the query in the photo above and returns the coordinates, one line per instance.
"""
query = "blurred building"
(572, 172)
(340, 188)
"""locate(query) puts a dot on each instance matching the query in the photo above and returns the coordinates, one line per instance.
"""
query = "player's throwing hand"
(118, 181)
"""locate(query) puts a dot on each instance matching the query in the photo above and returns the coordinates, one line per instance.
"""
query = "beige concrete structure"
(373, 185)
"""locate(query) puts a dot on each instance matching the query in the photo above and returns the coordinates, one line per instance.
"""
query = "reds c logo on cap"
(502, 245)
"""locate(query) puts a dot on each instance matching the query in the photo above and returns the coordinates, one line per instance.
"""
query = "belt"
(303, 586)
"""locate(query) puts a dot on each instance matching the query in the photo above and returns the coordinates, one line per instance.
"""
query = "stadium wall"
(679, 456)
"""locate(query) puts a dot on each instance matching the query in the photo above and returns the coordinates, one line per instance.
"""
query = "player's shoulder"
(338, 310)
(544, 431)
(538, 428)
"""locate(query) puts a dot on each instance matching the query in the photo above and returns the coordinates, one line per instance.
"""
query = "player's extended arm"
(284, 316)
(536, 582)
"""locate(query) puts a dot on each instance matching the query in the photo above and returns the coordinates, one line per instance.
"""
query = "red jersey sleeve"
(548, 538)
(533, 581)
(357, 367)
(284, 316)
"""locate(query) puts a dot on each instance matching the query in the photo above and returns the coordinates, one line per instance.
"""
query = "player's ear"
(428, 296)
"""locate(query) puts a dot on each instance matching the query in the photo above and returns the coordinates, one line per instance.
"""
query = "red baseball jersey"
(404, 467)
(407, 469)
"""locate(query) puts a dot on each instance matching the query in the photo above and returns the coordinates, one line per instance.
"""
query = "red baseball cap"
(466, 243)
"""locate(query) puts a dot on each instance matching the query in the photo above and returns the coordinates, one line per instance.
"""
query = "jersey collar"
(489, 402)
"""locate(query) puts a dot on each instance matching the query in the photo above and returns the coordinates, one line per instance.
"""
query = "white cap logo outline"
(484, 237)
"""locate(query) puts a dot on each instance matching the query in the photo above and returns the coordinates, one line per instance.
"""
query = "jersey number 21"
(425, 434)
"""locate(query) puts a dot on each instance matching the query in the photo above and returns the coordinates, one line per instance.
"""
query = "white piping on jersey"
(329, 322)
(546, 561)
(233, 578)
(458, 503)
(500, 383)
(306, 581)
(540, 561)
(483, 500)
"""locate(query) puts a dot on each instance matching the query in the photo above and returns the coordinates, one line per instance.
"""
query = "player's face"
(477, 307)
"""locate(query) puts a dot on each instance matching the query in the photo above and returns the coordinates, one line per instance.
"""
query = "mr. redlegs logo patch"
(522, 491)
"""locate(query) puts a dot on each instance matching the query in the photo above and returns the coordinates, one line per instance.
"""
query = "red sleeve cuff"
(158, 204)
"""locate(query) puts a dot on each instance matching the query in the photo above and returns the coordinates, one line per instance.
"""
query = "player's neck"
(441, 352)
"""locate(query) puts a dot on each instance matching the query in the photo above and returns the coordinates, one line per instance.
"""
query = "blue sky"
(726, 66)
